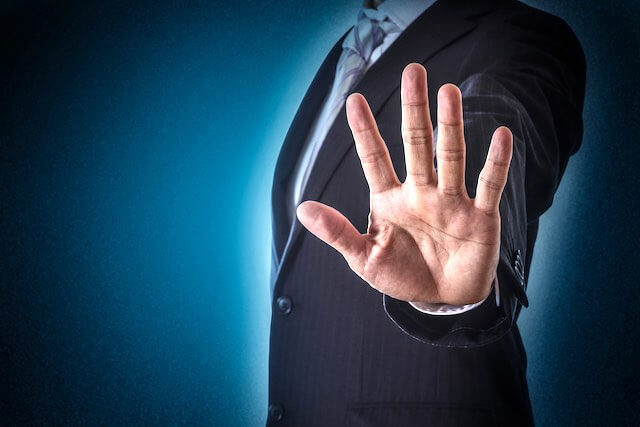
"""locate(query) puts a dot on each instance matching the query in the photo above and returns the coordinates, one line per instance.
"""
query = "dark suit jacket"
(343, 354)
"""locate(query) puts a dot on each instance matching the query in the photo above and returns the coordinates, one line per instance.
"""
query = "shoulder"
(512, 17)
(514, 28)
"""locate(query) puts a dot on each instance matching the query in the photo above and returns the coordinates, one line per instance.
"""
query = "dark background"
(137, 145)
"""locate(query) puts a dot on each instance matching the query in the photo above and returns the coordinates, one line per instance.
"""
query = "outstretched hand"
(427, 241)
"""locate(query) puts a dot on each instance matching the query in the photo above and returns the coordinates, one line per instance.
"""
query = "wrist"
(449, 309)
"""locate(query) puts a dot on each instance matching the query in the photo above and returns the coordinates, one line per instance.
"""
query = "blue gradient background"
(137, 149)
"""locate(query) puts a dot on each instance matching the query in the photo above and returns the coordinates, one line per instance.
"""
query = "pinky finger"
(493, 176)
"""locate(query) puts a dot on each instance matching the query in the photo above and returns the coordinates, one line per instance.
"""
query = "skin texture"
(427, 241)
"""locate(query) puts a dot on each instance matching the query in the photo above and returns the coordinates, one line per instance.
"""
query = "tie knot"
(371, 29)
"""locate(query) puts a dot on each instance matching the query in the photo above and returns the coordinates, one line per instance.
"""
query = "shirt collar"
(404, 12)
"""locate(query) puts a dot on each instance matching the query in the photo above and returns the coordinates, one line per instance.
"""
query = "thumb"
(333, 228)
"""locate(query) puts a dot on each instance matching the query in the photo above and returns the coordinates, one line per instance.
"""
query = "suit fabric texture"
(341, 353)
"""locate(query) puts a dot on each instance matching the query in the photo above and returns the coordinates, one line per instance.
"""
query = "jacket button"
(285, 305)
(276, 412)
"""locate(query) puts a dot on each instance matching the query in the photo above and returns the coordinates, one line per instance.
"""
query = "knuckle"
(335, 232)
(490, 183)
(415, 104)
(498, 165)
(372, 157)
(420, 178)
(451, 190)
(451, 128)
(450, 154)
(417, 135)
(366, 133)
(488, 209)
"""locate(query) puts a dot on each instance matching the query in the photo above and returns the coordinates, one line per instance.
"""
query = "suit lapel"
(297, 133)
(438, 26)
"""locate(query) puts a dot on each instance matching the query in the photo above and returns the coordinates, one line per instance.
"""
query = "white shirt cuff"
(439, 309)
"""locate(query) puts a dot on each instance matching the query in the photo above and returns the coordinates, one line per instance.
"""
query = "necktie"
(362, 40)
(366, 36)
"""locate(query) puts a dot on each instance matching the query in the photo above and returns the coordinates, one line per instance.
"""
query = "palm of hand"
(424, 248)
(426, 240)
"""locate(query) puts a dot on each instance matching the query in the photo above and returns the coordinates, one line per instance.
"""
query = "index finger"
(370, 146)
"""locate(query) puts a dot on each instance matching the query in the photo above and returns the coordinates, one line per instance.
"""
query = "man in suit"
(411, 320)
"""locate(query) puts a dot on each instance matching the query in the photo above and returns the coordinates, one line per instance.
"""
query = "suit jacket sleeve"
(527, 73)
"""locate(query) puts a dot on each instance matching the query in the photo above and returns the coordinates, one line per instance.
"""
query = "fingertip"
(355, 101)
(449, 92)
(501, 144)
(414, 84)
(304, 211)
(449, 105)
(358, 114)
(413, 72)
(413, 66)
(503, 132)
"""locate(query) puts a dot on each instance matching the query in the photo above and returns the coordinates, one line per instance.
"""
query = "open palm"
(427, 241)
